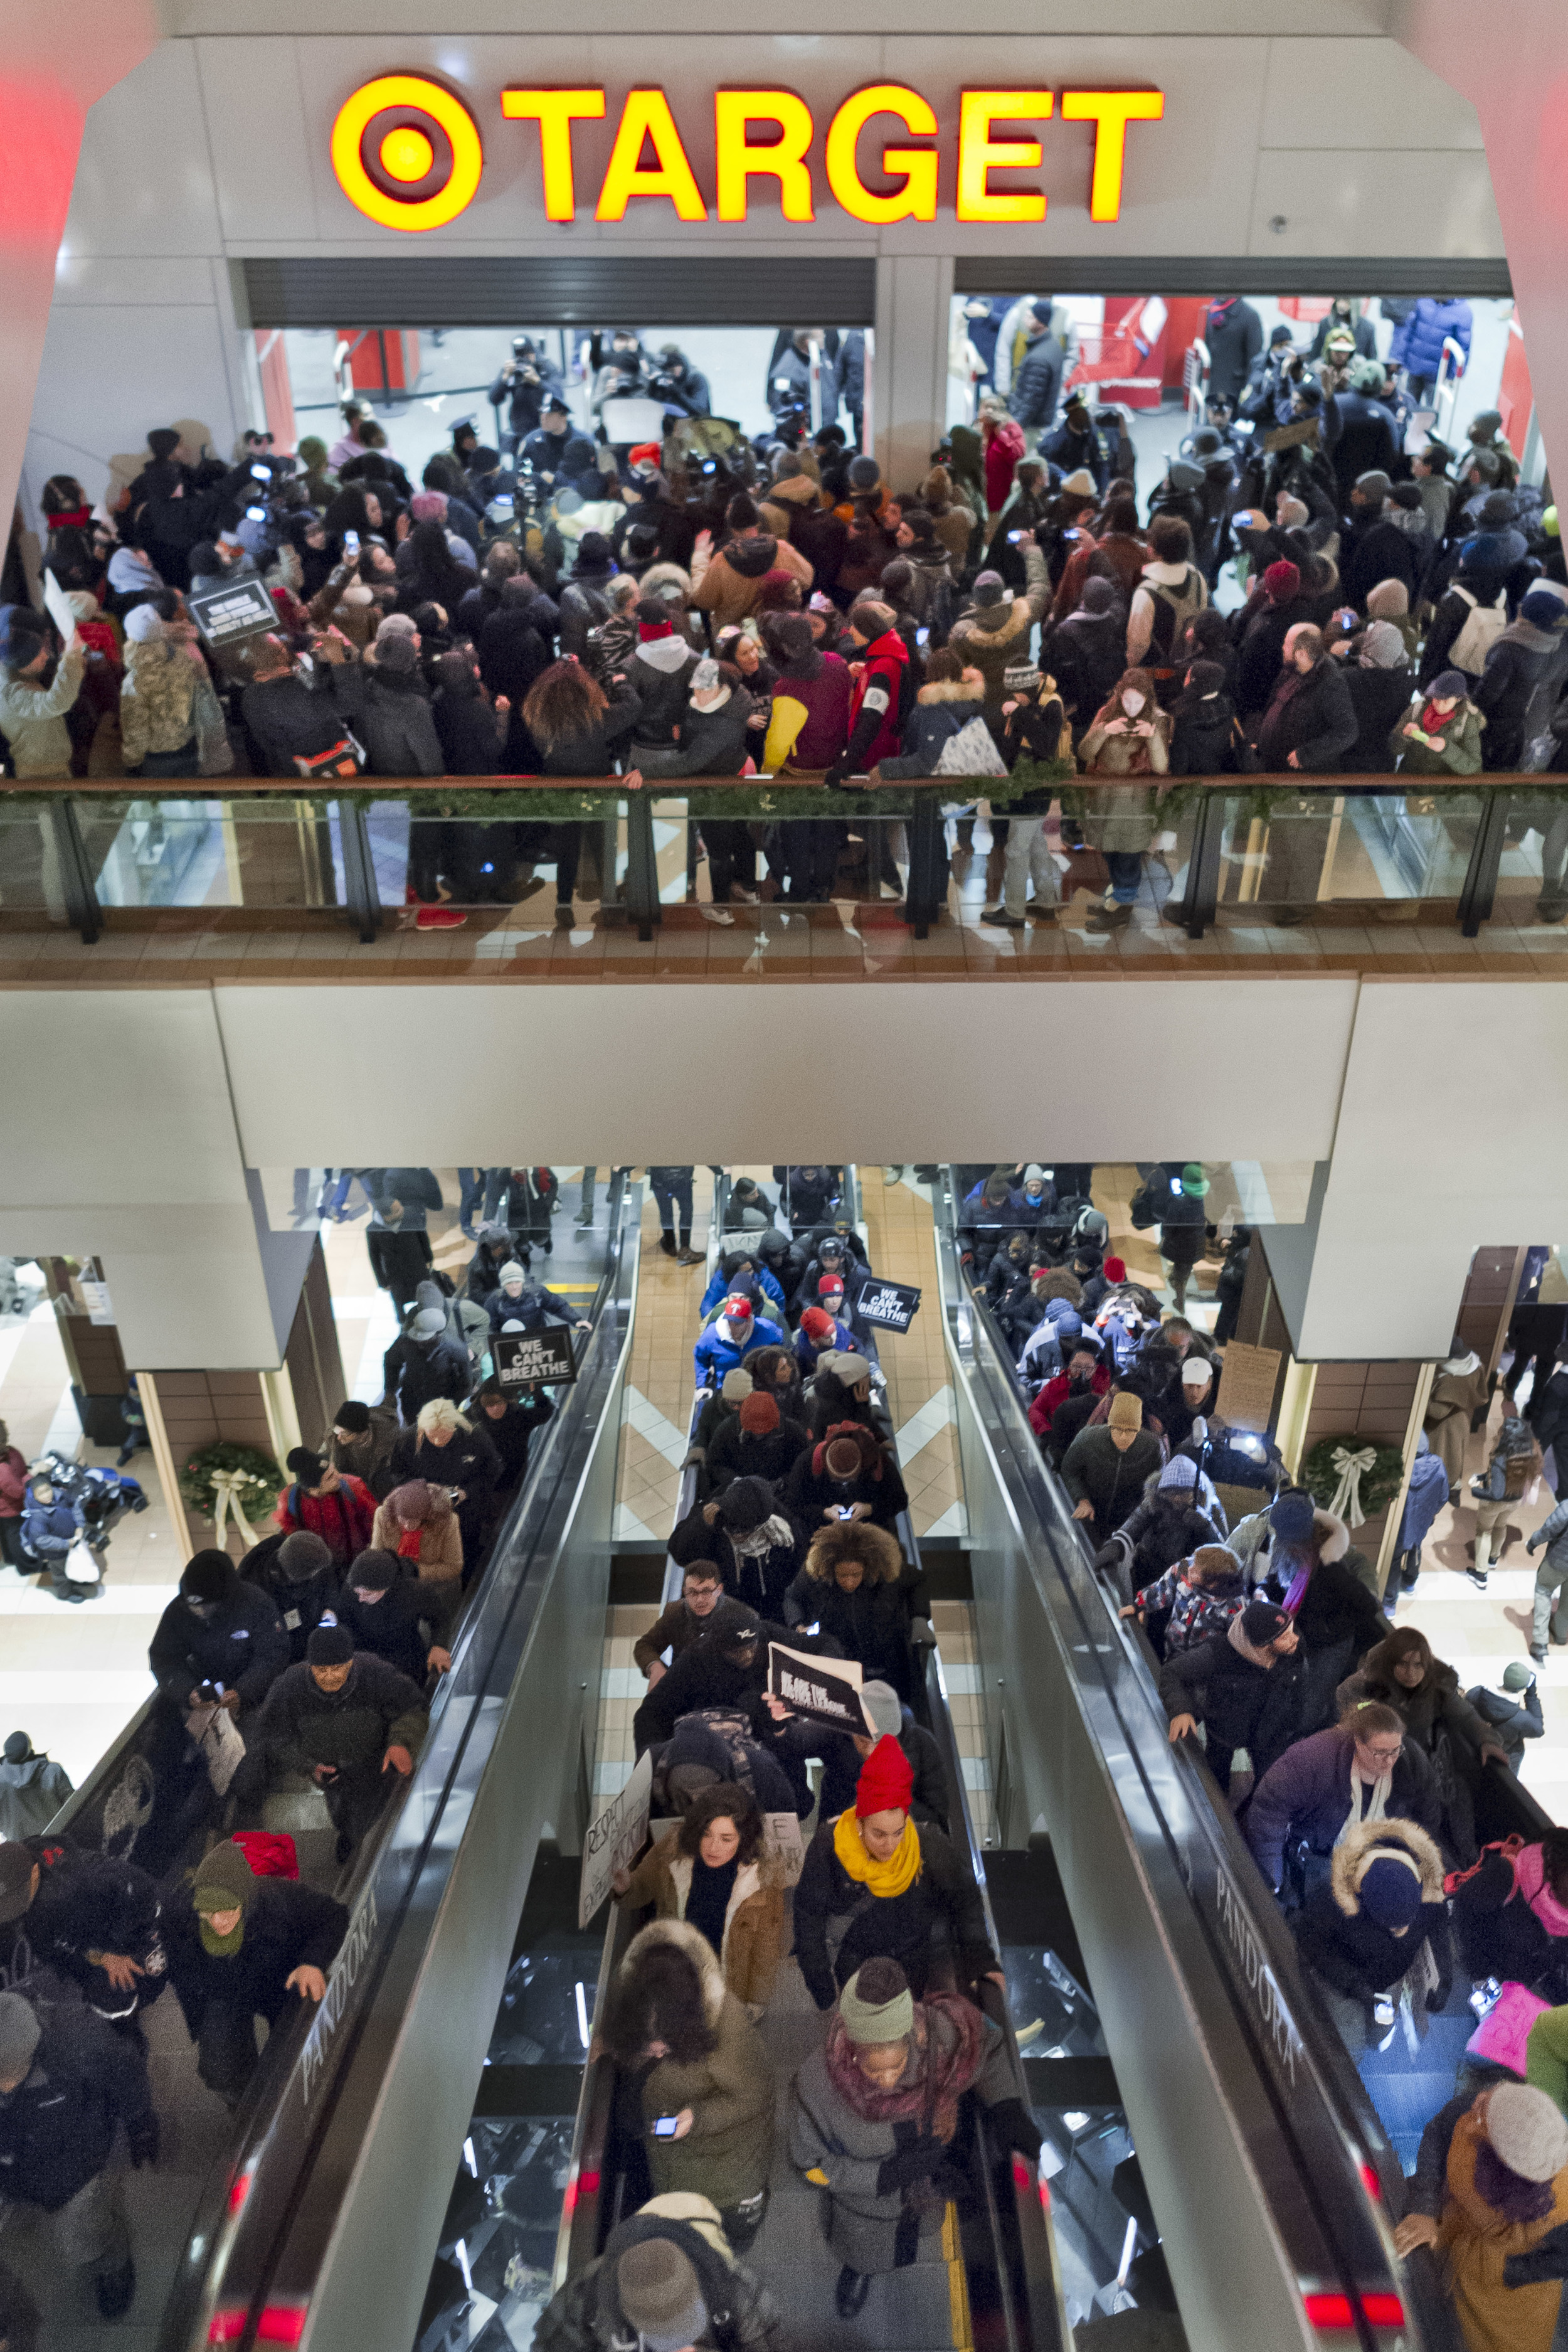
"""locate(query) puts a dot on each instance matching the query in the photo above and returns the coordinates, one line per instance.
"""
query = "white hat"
(1528, 2130)
(1196, 1371)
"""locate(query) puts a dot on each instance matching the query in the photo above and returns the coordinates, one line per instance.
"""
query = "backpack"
(972, 751)
(735, 1733)
(1483, 625)
(941, 612)
(1174, 606)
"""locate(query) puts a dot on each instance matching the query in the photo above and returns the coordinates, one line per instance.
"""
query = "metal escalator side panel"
(247, 2255)
(1162, 1901)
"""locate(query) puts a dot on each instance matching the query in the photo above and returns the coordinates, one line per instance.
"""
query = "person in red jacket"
(12, 1494)
(878, 672)
(1085, 1376)
(328, 1503)
(1003, 442)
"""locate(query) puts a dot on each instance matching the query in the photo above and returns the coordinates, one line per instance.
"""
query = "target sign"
(407, 152)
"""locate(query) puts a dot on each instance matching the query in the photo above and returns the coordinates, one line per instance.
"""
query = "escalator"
(272, 2226)
(1274, 2175)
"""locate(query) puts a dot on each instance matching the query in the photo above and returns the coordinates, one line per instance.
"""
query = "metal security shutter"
(438, 289)
(1229, 273)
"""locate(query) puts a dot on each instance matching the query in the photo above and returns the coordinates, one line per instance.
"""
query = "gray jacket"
(1553, 1534)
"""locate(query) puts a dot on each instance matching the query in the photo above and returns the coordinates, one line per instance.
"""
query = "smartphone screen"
(261, 473)
(665, 2126)
(350, 542)
(846, 1511)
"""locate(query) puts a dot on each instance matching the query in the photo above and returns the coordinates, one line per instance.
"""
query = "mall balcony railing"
(122, 854)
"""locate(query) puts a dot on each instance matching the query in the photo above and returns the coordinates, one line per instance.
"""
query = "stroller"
(97, 1500)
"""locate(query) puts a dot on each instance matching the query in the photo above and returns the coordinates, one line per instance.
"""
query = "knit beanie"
(513, 1272)
(143, 625)
(659, 2295)
(758, 1414)
(1261, 1620)
(427, 506)
(1115, 1270)
(1526, 2130)
(303, 1554)
(1516, 1676)
(225, 1879)
(15, 1879)
(1374, 485)
(396, 624)
(746, 1502)
(1282, 583)
(18, 1747)
(880, 1706)
(1390, 1888)
(882, 2010)
(829, 1287)
(301, 1464)
(374, 1571)
(208, 1576)
(1449, 686)
(1126, 1411)
(1542, 610)
(1179, 1475)
(887, 1783)
(1389, 601)
(1291, 1517)
(428, 1324)
(989, 588)
(841, 1458)
(864, 474)
(1023, 678)
(329, 1645)
(410, 1501)
(816, 1324)
(735, 1386)
(1204, 679)
(353, 1416)
(397, 653)
(20, 2034)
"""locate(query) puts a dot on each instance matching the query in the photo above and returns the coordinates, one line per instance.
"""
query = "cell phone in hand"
(666, 2127)
(846, 1511)
(350, 542)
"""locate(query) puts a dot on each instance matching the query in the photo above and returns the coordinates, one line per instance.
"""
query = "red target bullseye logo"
(407, 152)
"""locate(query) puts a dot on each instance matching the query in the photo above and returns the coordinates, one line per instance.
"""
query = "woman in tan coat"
(1458, 1392)
(712, 1873)
(1129, 738)
(418, 1523)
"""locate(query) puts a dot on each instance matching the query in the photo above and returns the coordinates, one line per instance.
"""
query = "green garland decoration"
(1379, 1484)
(263, 1478)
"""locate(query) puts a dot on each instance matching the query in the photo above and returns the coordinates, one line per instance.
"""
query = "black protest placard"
(225, 615)
(521, 1357)
(890, 1306)
(824, 1690)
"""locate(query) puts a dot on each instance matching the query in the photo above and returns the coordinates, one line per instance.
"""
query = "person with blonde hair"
(453, 1454)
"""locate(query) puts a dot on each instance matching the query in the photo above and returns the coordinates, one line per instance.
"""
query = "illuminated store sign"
(408, 152)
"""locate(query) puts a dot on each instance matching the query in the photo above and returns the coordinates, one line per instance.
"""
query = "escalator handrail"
(1247, 1937)
(250, 2193)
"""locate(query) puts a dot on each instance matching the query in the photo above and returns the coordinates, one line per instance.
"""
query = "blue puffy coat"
(718, 1288)
(1417, 345)
(1424, 1497)
(48, 1530)
(717, 1353)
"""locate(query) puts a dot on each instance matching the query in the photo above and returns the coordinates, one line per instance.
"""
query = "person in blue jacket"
(732, 1272)
(1417, 345)
(50, 1526)
(730, 1339)
(1424, 1498)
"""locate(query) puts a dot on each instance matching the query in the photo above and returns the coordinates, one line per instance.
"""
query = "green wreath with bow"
(224, 1477)
(1340, 1478)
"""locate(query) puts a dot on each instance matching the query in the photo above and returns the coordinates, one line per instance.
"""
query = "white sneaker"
(712, 914)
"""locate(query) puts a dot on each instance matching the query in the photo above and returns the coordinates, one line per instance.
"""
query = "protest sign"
(824, 1690)
(890, 1306)
(521, 1357)
(613, 1842)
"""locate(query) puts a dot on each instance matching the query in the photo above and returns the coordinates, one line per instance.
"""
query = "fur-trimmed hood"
(952, 689)
(665, 575)
(1001, 623)
(879, 1552)
(697, 1949)
(1363, 1845)
(1330, 1534)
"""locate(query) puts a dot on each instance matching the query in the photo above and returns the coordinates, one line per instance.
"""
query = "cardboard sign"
(615, 1840)
(890, 1306)
(1246, 1395)
(224, 615)
(823, 1690)
(782, 1839)
(523, 1356)
(58, 610)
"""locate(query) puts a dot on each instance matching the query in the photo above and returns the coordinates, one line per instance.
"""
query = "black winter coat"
(58, 2129)
(841, 1761)
(244, 1647)
(1164, 1530)
(1036, 385)
(1260, 649)
(1514, 669)
(1204, 738)
(807, 1496)
(1316, 721)
(871, 1623)
(1241, 1705)
(465, 729)
(1375, 552)
(1377, 698)
(760, 1582)
(1235, 338)
(941, 1911)
(417, 1372)
(287, 1926)
(388, 1628)
(1500, 1936)
(737, 1453)
(702, 1676)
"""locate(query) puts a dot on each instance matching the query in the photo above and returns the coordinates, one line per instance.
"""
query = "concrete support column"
(909, 387)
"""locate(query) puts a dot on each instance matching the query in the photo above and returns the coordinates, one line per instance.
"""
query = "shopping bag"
(1503, 2032)
(218, 1736)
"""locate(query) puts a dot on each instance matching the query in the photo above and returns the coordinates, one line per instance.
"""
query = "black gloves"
(143, 2141)
(1014, 2126)
(907, 2165)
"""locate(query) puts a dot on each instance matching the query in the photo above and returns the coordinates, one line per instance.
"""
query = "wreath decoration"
(1355, 1477)
(226, 1477)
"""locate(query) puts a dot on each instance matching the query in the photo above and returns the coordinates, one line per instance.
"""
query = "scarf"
(772, 1533)
(934, 2078)
(409, 1542)
(1433, 722)
(221, 1948)
(1530, 1880)
(1243, 1647)
(1376, 1804)
(883, 1879)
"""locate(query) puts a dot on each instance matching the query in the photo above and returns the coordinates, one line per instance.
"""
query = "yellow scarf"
(879, 1878)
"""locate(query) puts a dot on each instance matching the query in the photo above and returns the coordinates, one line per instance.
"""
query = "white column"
(909, 390)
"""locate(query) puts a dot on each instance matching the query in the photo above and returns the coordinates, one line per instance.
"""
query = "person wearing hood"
(1303, 1557)
(1206, 738)
(874, 2114)
(424, 1362)
(1130, 737)
(951, 699)
(217, 1631)
(1377, 680)
(727, 585)
(1516, 662)
(1178, 498)
(1075, 446)
(1401, 1672)
(1510, 1710)
(1459, 1392)
(719, 729)
(659, 677)
(1082, 1375)
(237, 1949)
(993, 635)
(1369, 1923)
(1119, 555)
(377, 1604)
(513, 642)
(1418, 339)
(344, 1719)
(808, 721)
(1084, 652)
(666, 2273)
(1374, 549)
(1510, 1916)
(33, 1788)
(583, 601)
(846, 1470)
(1424, 1497)
(1345, 313)
(857, 1587)
(1002, 445)
(1244, 1684)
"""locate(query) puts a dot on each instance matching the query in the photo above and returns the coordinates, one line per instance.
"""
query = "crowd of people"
(791, 1537)
(320, 1648)
(1352, 1756)
(1023, 611)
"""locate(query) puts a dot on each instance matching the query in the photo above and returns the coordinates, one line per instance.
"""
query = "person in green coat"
(1440, 734)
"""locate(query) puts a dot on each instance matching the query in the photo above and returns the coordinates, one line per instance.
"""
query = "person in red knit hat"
(925, 1911)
